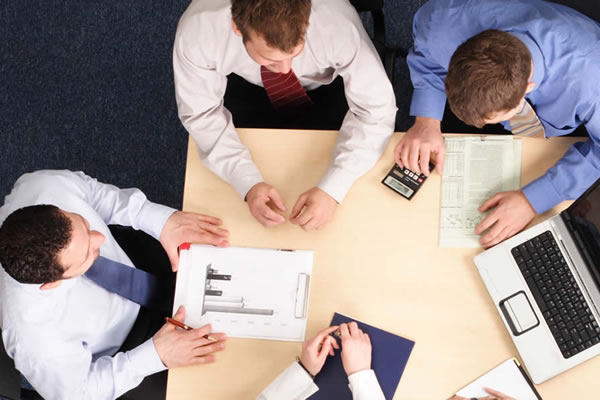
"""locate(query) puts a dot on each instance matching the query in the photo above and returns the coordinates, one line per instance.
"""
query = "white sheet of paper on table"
(476, 168)
(506, 378)
(266, 298)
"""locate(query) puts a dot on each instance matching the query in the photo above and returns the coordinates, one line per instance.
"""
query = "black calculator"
(404, 181)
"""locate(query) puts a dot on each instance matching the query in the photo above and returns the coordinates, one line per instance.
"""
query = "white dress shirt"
(296, 384)
(65, 340)
(206, 50)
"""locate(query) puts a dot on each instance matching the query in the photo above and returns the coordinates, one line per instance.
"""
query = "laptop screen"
(584, 216)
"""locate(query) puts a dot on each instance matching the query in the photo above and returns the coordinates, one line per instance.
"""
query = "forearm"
(199, 93)
(359, 145)
(67, 372)
(128, 207)
(293, 383)
(364, 386)
(568, 179)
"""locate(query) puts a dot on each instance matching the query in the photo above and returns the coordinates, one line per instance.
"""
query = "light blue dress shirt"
(565, 47)
(65, 340)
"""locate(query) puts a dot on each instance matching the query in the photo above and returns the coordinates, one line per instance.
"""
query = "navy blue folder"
(390, 355)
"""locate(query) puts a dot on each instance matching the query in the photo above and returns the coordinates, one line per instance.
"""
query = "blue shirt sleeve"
(574, 173)
(426, 73)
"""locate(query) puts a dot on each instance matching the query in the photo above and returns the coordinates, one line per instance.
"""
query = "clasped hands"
(356, 349)
(313, 209)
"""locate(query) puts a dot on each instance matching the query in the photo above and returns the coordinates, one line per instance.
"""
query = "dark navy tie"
(132, 283)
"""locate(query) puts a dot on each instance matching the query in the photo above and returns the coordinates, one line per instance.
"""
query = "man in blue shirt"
(531, 65)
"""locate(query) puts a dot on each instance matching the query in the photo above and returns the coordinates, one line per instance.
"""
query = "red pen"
(187, 328)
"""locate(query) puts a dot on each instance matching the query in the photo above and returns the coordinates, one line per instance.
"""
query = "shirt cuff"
(152, 218)
(428, 103)
(336, 183)
(541, 194)
(243, 184)
(145, 360)
(364, 385)
(293, 383)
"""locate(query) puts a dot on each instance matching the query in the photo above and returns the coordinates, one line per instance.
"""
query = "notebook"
(389, 358)
(509, 378)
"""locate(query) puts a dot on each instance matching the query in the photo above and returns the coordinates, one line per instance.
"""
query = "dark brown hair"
(281, 23)
(487, 74)
(30, 240)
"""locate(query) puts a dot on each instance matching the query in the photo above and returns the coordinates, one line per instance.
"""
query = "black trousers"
(147, 254)
(250, 107)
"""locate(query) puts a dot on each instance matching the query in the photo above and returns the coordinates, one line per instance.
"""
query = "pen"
(187, 328)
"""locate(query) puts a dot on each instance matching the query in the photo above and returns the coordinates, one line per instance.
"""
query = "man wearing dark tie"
(79, 317)
(292, 49)
(531, 65)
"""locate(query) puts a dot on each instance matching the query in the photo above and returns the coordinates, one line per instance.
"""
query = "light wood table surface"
(378, 261)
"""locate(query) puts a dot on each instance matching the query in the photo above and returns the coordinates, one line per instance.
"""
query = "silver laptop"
(545, 283)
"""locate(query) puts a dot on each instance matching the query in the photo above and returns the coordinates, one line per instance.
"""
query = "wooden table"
(379, 262)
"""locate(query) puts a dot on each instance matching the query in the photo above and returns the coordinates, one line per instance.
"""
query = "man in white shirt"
(288, 47)
(65, 330)
(296, 382)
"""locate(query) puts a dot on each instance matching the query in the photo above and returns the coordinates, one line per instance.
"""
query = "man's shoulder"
(333, 15)
(206, 17)
(40, 187)
(204, 29)
(29, 322)
(335, 29)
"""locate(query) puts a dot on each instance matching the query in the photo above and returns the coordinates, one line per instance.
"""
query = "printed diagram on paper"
(252, 293)
(476, 168)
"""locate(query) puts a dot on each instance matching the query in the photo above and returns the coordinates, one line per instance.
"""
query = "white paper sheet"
(505, 378)
(266, 296)
(475, 169)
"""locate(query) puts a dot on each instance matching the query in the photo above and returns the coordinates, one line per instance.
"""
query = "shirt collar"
(536, 56)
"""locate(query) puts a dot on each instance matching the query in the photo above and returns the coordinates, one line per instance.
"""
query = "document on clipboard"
(245, 292)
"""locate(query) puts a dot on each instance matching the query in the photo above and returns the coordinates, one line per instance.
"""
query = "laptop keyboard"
(557, 294)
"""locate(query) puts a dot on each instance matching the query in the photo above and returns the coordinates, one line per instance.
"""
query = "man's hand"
(186, 227)
(494, 395)
(262, 200)
(512, 212)
(415, 148)
(178, 348)
(315, 350)
(356, 349)
(313, 209)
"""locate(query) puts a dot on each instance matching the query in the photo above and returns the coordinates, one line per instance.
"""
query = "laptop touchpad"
(518, 312)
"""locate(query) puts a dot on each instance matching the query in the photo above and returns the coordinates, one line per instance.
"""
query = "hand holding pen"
(178, 345)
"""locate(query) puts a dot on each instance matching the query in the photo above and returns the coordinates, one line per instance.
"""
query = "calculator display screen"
(585, 217)
(399, 186)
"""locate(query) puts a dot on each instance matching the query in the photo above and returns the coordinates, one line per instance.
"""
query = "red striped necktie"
(284, 90)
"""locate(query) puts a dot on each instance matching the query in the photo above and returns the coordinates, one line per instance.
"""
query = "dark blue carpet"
(88, 85)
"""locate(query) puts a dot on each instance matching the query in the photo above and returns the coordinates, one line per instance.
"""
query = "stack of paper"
(476, 168)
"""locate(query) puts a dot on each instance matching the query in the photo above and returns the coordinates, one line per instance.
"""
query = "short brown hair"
(487, 74)
(30, 240)
(281, 23)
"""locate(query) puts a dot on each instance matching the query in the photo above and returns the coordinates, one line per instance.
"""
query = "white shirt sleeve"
(364, 386)
(370, 121)
(292, 384)
(127, 207)
(65, 370)
(199, 90)
(295, 384)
